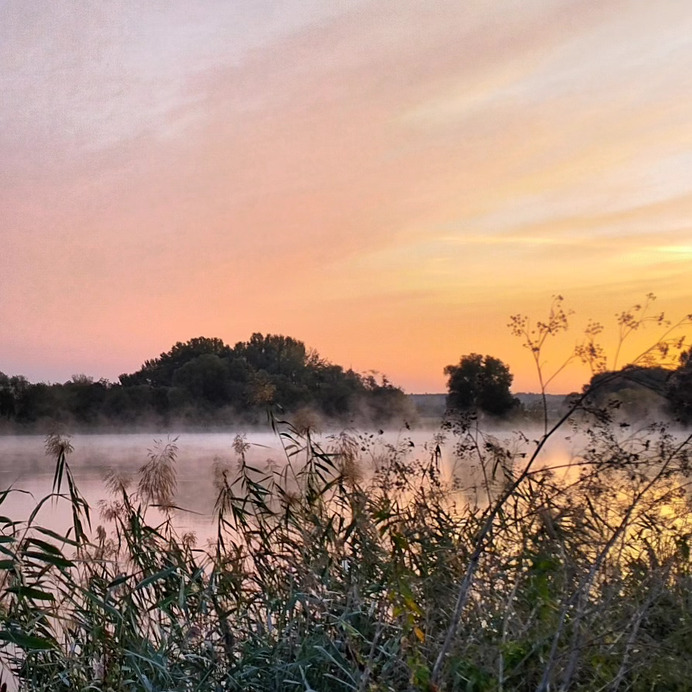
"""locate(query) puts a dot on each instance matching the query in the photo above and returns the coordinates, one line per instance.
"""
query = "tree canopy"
(204, 380)
(480, 383)
(679, 389)
(640, 391)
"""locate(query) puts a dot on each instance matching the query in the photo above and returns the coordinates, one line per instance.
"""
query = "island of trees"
(205, 381)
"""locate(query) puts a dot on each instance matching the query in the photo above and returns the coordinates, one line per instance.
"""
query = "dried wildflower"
(157, 478)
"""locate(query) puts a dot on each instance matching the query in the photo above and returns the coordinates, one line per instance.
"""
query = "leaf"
(56, 560)
(102, 604)
(31, 592)
(47, 547)
(26, 641)
(118, 580)
(155, 577)
(57, 536)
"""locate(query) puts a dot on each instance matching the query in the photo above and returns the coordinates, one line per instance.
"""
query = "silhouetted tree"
(7, 408)
(480, 383)
(160, 371)
(275, 354)
(679, 388)
(383, 401)
(199, 381)
(206, 378)
(635, 390)
(82, 398)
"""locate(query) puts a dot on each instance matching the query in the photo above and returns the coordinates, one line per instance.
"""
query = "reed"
(340, 570)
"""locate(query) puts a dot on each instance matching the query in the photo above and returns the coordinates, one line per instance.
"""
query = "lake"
(25, 465)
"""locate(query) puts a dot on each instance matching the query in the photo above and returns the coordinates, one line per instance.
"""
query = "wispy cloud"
(226, 167)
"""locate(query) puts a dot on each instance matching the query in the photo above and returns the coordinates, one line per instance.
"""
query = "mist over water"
(24, 465)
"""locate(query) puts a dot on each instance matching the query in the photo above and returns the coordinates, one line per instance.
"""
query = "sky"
(386, 180)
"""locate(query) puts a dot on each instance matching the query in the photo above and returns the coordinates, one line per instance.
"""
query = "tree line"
(481, 384)
(204, 380)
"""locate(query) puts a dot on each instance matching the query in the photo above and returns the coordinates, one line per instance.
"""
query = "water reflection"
(24, 465)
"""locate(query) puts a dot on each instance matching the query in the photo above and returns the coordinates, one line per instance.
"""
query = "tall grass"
(340, 570)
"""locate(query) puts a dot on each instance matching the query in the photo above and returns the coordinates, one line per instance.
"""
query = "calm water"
(25, 465)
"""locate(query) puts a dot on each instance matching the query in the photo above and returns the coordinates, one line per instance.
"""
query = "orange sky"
(387, 181)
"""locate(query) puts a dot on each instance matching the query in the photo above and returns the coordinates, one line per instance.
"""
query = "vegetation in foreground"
(357, 567)
(324, 578)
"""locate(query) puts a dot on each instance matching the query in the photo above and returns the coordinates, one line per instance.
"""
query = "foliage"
(206, 381)
(339, 570)
(480, 383)
(679, 388)
(160, 371)
(637, 392)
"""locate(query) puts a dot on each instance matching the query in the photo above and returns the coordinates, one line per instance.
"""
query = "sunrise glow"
(386, 181)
